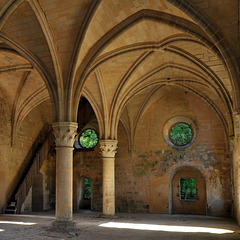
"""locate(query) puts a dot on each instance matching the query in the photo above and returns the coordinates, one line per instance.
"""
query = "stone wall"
(27, 205)
(5, 149)
(48, 171)
(14, 158)
(142, 181)
(143, 176)
(42, 194)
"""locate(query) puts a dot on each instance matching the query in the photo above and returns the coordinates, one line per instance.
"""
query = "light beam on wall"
(165, 228)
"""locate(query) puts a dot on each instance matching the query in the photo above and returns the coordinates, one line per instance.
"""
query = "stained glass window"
(89, 139)
(188, 190)
(181, 134)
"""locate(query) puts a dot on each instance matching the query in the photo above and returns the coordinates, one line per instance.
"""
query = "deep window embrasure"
(87, 188)
(188, 189)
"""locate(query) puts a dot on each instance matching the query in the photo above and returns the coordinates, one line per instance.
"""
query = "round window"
(181, 134)
(180, 131)
(88, 139)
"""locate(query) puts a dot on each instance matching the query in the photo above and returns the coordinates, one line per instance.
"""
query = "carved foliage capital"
(108, 148)
(65, 133)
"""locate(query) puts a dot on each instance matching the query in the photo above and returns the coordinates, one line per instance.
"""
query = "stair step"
(10, 207)
(12, 203)
(20, 193)
(10, 211)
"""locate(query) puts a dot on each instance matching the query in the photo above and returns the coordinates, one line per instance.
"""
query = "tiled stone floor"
(126, 226)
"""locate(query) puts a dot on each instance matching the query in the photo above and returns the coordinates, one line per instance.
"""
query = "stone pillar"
(65, 133)
(108, 151)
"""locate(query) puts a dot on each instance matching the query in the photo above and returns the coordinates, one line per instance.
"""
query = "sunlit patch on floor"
(166, 228)
(17, 223)
(2, 230)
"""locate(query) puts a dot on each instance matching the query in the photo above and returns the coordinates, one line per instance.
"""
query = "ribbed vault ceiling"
(121, 55)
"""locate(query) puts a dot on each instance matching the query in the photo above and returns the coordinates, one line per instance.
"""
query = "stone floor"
(126, 226)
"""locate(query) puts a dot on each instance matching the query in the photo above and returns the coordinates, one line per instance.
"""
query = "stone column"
(65, 133)
(108, 151)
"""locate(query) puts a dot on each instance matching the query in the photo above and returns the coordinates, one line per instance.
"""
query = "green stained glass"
(89, 138)
(181, 134)
(188, 190)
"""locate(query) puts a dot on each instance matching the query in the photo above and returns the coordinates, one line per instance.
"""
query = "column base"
(64, 226)
(108, 216)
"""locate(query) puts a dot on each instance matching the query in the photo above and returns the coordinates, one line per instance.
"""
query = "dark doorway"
(84, 193)
(37, 193)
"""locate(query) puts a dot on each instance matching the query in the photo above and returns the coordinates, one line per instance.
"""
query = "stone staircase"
(11, 207)
(14, 204)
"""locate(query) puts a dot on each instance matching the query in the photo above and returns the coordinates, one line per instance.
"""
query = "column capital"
(108, 148)
(64, 133)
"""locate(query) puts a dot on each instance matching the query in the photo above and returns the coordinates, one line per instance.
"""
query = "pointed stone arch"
(191, 28)
(82, 71)
(50, 84)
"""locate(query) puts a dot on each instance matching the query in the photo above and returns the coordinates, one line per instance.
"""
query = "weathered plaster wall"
(142, 182)
(14, 159)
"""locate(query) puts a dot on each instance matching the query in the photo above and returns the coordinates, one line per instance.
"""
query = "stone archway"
(179, 205)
